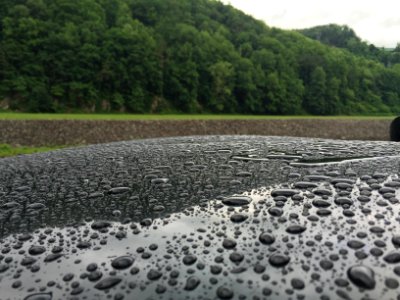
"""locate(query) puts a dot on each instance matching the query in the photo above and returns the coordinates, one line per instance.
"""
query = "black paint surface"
(202, 218)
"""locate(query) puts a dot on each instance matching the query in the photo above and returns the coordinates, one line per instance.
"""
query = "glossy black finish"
(395, 130)
(232, 217)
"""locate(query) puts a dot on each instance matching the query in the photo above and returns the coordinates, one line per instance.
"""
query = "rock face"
(238, 218)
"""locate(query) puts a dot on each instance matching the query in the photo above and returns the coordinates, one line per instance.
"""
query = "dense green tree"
(315, 94)
(345, 37)
(332, 34)
(184, 56)
(222, 74)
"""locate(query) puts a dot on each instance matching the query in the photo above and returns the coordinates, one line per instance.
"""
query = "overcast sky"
(376, 22)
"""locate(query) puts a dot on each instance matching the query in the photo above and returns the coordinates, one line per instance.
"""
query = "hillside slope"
(177, 56)
(345, 37)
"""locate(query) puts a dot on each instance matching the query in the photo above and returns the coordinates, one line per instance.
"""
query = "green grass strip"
(8, 150)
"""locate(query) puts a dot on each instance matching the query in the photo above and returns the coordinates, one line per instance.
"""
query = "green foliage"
(184, 56)
(316, 91)
(345, 37)
(222, 74)
(334, 35)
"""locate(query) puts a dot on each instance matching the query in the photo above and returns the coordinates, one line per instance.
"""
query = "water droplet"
(36, 206)
(284, 192)
(341, 201)
(238, 217)
(189, 259)
(108, 283)
(362, 276)
(36, 250)
(39, 296)
(192, 283)
(229, 243)
(326, 264)
(95, 275)
(391, 283)
(52, 257)
(321, 203)
(355, 244)
(224, 293)
(83, 245)
(236, 257)
(297, 284)
(68, 277)
(279, 260)
(122, 262)
(237, 201)
(295, 229)
(154, 274)
(3, 268)
(215, 269)
(392, 258)
(266, 238)
(119, 190)
(275, 211)
(99, 225)
(396, 240)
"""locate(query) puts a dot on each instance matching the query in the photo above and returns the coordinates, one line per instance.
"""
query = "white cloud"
(377, 22)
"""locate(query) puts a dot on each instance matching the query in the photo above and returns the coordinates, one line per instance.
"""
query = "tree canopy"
(189, 56)
(342, 36)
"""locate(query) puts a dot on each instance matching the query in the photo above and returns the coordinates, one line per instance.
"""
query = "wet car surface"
(233, 217)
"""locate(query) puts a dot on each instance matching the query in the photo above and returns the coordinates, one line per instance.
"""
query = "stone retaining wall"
(77, 132)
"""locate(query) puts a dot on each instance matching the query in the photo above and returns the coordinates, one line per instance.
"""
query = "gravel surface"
(74, 132)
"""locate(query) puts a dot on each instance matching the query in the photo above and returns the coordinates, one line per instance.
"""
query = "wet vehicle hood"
(215, 217)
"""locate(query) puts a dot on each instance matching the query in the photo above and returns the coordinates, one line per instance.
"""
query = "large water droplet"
(279, 260)
(122, 262)
(237, 201)
(362, 276)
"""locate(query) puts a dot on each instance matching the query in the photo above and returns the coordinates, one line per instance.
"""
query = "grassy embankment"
(8, 150)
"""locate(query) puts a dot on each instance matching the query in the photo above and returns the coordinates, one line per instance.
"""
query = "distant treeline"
(342, 36)
(188, 56)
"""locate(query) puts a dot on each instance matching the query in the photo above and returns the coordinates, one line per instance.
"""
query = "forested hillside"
(187, 56)
(345, 37)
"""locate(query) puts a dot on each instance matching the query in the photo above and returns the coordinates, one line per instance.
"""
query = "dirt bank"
(74, 132)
